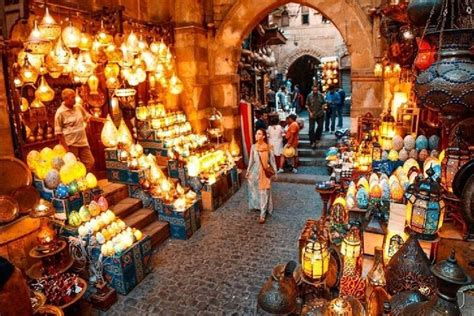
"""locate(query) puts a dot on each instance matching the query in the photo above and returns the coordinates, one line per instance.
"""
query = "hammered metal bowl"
(9, 209)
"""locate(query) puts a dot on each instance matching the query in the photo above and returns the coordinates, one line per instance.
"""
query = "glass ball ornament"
(52, 179)
(69, 158)
(91, 180)
(57, 163)
(104, 205)
(62, 191)
(362, 198)
(409, 142)
(33, 158)
(413, 154)
(393, 155)
(423, 155)
(421, 142)
(73, 188)
(397, 142)
(403, 154)
(433, 142)
(81, 185)
(47, 154)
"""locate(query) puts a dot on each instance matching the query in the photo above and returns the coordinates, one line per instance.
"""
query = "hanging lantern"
(364, 156)
(387, 71)
(24, 106)
(85, 41)
(112, 70)
(48, 27)
(44, 93)
(141, 113)
(387, 131)
(132, 43)
(350, 249)
(93, 83)
(103, 37)
(36, 104)
(28, 73)
(176, 85)
(124, 136)
(425, 210)
(36, 44)
(71, 36)
(396, 70)
(426, 55)
(109, 134)
(315, 259)
(84, 67)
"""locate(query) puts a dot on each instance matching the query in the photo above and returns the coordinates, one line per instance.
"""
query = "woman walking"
(258, 172)
(275, 134)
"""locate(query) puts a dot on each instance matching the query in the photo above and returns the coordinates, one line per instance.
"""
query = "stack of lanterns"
(60, 171)
(108, 231)
(209, 164)
(67, 51)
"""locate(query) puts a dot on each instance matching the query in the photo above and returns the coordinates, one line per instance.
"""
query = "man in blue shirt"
(332, 99)
(281, 99)
(340, 106)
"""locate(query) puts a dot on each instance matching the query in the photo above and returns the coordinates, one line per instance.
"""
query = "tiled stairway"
(131, 211)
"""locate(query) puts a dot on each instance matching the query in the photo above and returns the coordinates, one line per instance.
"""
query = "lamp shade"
(36, 44)
(350, 246)
(315, 259)
(44, 92)
(71, 36)
(49, 29)
(109, 134)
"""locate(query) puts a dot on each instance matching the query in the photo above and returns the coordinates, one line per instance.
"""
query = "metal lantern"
(36, 43)
(456, 156)
(425, 210)
(387, 131)
(376, 152)
(350, 249)
(315, 258)
(48, 27)
(28, 73)
(364, 156)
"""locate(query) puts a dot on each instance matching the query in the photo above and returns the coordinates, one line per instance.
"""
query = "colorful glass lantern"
(44, 92)
(455, 157)
(426, 55)
(71, 36)
(350, 249)
(49, 29)
(315, 259)
(36, 44)
(28, 73)
(425, 210)
(364, 156)
(387, 131)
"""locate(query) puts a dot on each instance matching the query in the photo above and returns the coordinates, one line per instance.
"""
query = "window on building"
(304, 15)
(325, 20)
(285, 19)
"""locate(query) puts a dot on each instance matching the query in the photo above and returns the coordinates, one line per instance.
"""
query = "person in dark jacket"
(315, 106)
(340, 106)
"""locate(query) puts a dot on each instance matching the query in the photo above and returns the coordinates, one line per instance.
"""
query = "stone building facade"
(208, 37)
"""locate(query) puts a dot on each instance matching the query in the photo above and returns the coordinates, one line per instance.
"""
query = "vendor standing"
(70, 127)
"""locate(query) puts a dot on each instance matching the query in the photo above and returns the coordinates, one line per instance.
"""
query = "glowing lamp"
(132, 43)
(399, 99)
(36, 44)
(378, 70)
(141, 113)
(28, 73)
(180, 204)
(103, 37)
(394, 240)
(109, 134)
(84, 67)
(71, 36)
(112, 70)
(426, 55)
(396, 69)
(364, 156)
(193, 166)
(85, 41)
(387, 131)
(315, 259)
(387, 71)
(36, 104)
(44, 93)
(176, 85)
(124, 136)
(46, 235)
(350, 249)
(48, 27)
(165, 186)
(93, 83)
(425, 208)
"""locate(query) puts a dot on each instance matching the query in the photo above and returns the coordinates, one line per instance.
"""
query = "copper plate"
(27, 197)
(17, 173)
(8, 209)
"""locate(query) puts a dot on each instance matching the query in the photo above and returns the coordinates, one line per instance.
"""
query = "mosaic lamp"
(364, 156)
(425, 208)
(387, 131)
(315, 258)
(48, 27)
(350, 249)
(46, 235)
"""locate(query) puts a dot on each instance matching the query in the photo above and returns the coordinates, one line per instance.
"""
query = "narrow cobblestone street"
(220, 270)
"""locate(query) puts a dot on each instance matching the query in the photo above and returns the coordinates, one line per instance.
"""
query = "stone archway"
(290, 59)
(354, 26)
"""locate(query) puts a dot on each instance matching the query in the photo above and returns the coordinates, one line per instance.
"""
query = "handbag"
(269, 171)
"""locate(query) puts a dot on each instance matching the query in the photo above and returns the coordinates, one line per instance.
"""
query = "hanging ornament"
(93, 83)
(71, 36)
(103, 37)
(84, 67)
(36, 104)
(132, 43)
(112, 70)
(36, 44)
(109, 134)
(85, 41)
(48, 27)
(24, 106)
(44, 93)
(28, 73)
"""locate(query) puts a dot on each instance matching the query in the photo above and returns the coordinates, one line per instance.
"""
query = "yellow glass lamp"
(28, 73)
(315, 259)
(85, 41)
(36, 44)
(125, 138)
(93, 83)
(84, 67)
(49, 29)
(387, 71)
(399, 99)
(387, 131)
(71, 36)
(103, 37)
(350, 249)
(176, 85)
(193, 166)
(36, 104)
(44, 93)
(109, 134)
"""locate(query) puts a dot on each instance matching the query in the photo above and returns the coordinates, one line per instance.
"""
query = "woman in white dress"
(275, 135)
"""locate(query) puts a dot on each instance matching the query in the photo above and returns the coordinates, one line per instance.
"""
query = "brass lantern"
(44, 92)
(456, 156)
(36, 44)
(49, 29)
(364, 155)
(71, 36)
(315, 258)
(425, 210)
(28, 73)
(350, 249)
(378, 70)
(387, 131)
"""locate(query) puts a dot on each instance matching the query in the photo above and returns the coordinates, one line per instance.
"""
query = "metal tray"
(8, 209)
(14, 174)
(26, 196)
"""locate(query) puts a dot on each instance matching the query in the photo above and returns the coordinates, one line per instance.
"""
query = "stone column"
(6, 145)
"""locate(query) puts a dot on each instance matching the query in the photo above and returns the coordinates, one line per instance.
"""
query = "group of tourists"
(276, 145)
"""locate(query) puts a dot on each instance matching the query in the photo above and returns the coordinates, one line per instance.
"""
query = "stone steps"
(131, 211)
(312, 162)
(310, 152)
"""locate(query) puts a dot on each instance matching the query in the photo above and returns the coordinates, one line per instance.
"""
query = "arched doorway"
(353, 25)
(302, 73)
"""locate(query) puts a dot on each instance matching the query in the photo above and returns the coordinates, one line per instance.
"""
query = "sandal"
(261, 220)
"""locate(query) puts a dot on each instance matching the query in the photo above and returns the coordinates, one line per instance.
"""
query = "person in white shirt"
(275, 134)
